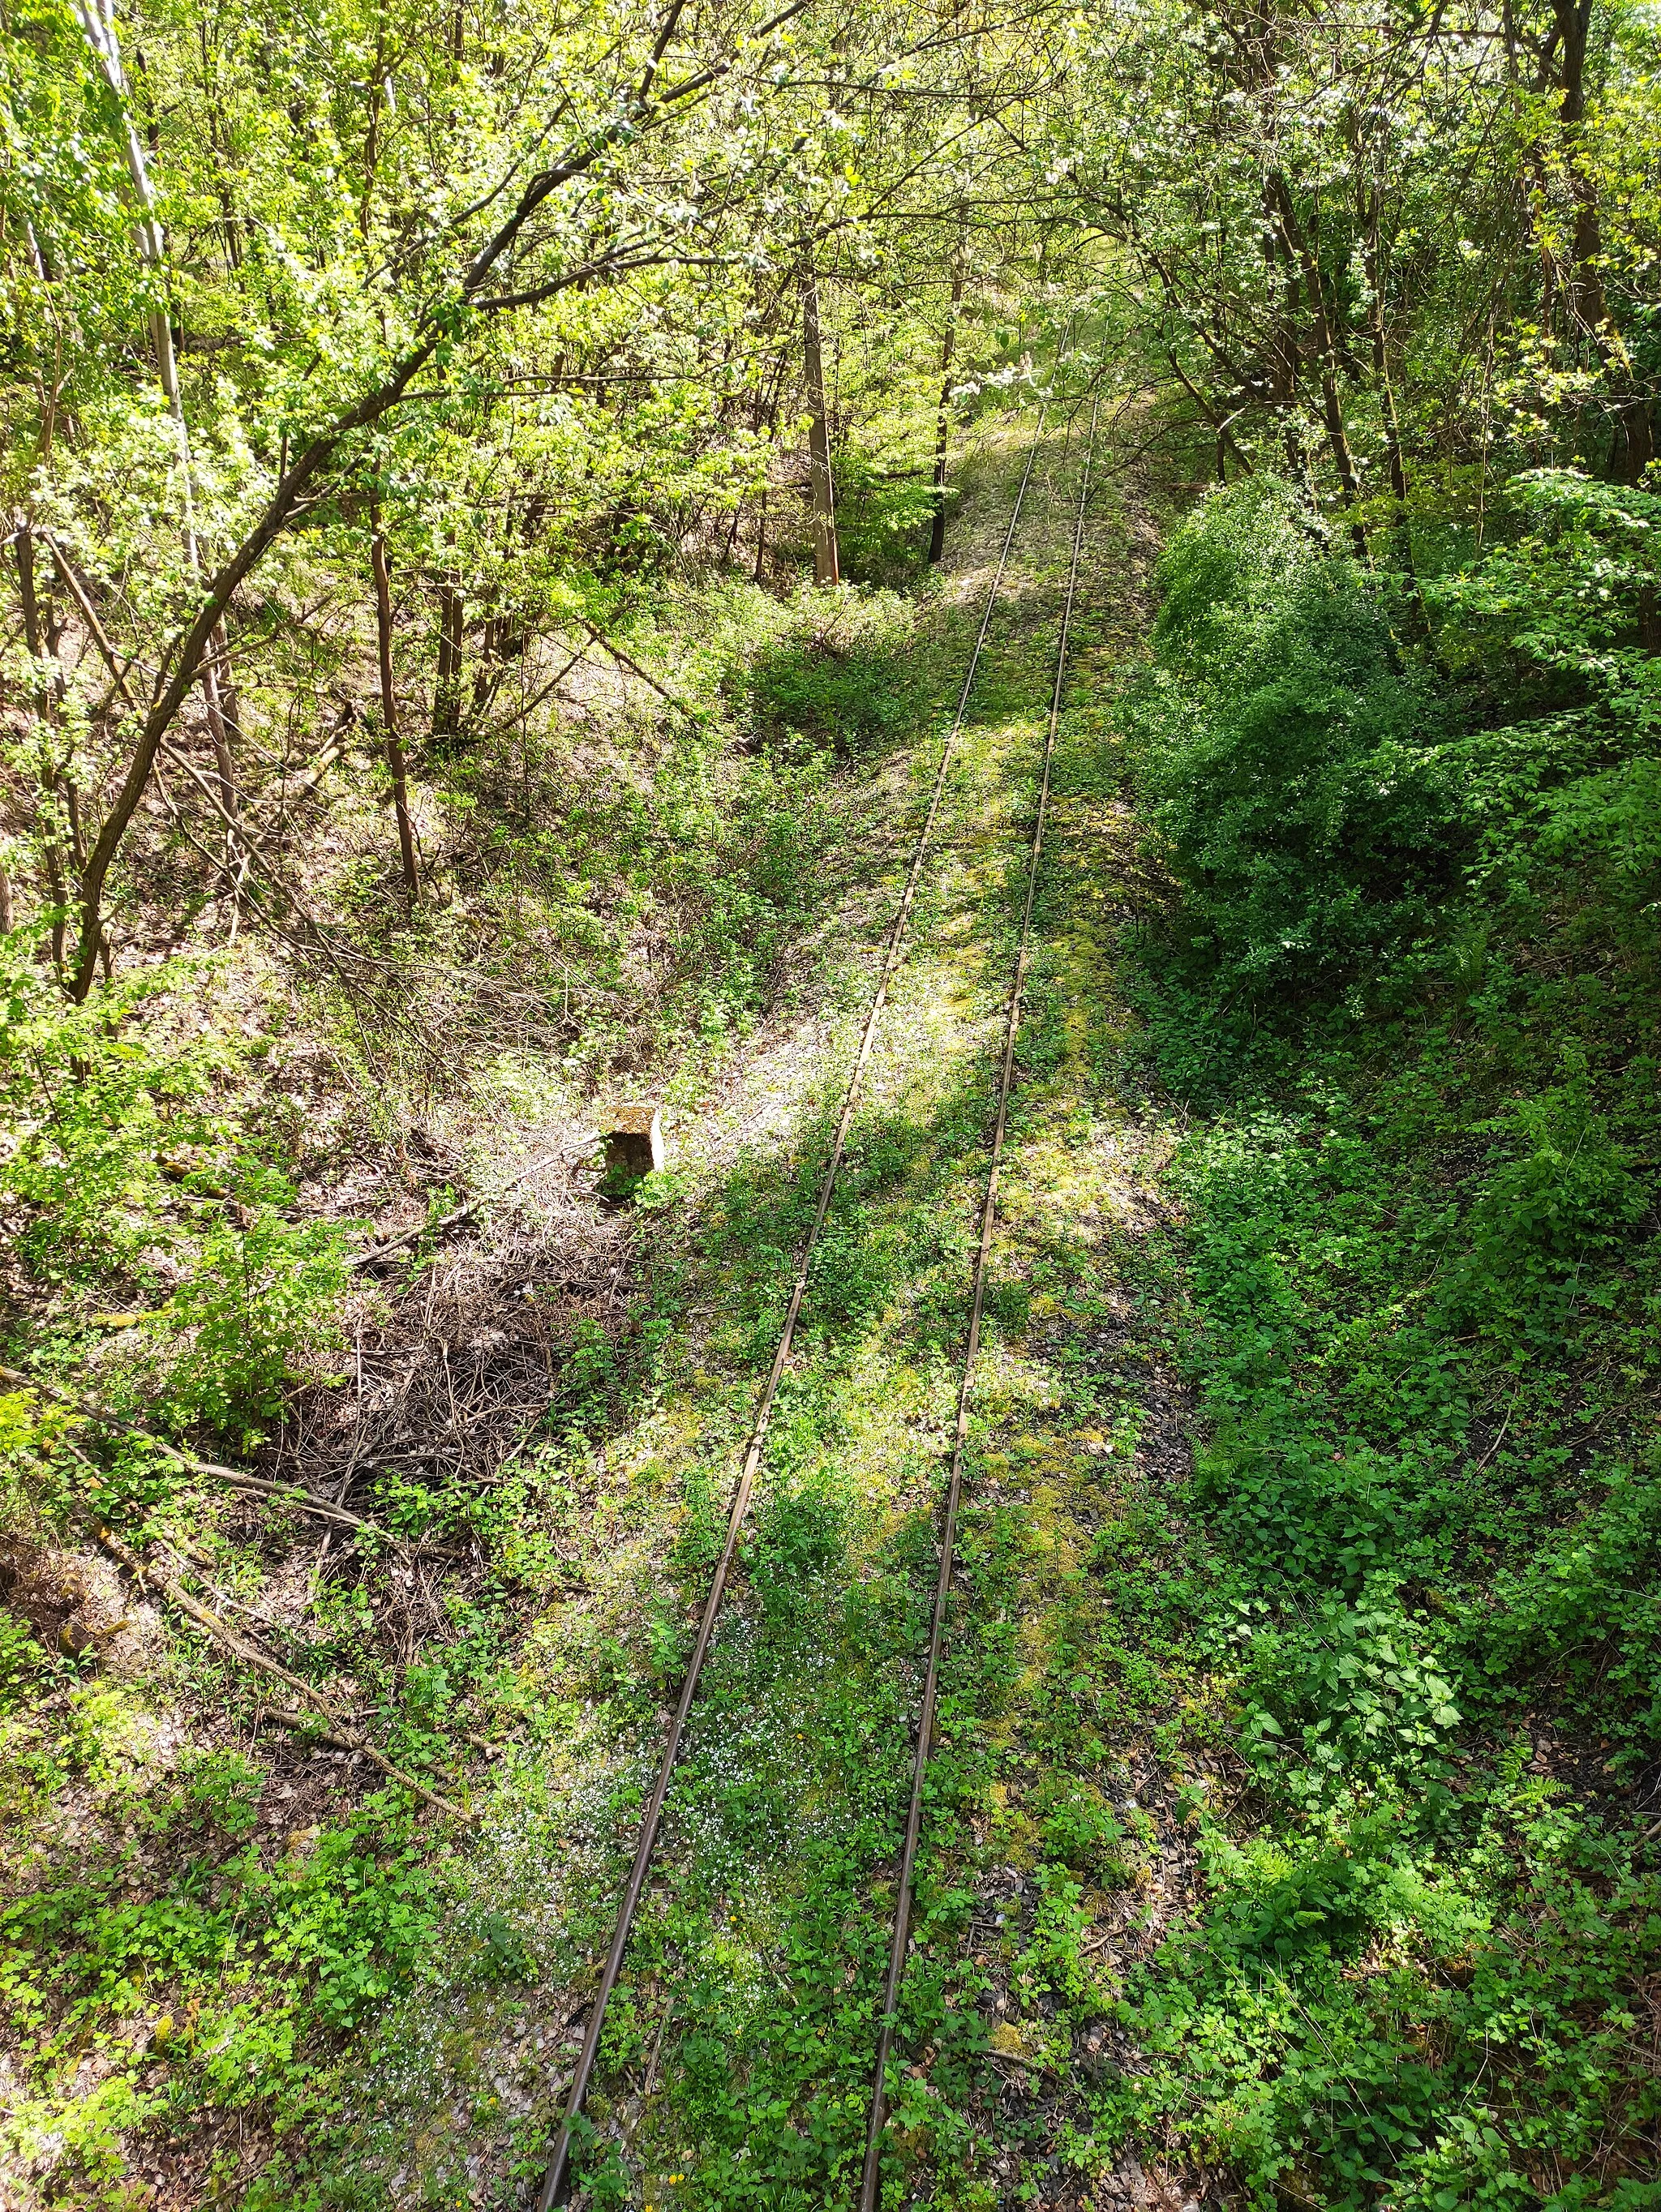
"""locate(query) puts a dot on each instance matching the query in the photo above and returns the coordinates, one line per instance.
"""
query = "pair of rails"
(557, 2180)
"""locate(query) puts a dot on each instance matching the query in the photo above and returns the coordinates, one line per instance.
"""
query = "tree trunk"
(1332, 407)
(943, 417)
(1371, 212)
(826, 568)
(447, 686)
(219, 730)
(395, 761)
(761, 535)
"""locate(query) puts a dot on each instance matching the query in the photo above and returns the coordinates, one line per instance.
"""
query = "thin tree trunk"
(943, 416)
(1379, 337)
(372, 131)
(98, 26)
(825, 568)
(395, 761)
(51, 844)
(219, 727)
(446, 685)
(1349, 483)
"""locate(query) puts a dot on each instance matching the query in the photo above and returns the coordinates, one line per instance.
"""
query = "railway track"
(871, 2177)
(557, 2182)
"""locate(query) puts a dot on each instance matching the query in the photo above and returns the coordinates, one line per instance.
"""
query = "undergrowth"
(1423, 1278)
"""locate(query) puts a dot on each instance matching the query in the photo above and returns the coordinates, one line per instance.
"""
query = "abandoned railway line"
(558, 2179)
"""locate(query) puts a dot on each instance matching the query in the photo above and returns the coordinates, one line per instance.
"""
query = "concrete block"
(634, 1143)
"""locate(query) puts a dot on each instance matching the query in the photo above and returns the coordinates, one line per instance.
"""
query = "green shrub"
(142, 1188)
(1543, 633)
(798, 1536)
(1291, 764)
(1561, 1195)
(21, 1662)
(1354, 1688)
(1080, 1832)
(258, 1301)
(884, 515)
(1583, 1612)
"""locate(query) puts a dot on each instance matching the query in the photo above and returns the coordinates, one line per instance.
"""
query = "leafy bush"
(1584, 1611)
(799, 1535)
(1563, 1194)
(1276, 1902)
(1291, 765)
(884, 515)
(143, 1188)
(22, 1661)
(1544, 632)
(259, 1300)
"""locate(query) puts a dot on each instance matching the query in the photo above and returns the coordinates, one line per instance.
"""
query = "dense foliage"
(1410, 977)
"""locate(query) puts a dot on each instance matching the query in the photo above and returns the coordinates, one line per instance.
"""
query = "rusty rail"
(557, 2183)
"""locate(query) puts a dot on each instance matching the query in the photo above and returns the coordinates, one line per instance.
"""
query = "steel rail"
(558, 2178)
(871, 2178)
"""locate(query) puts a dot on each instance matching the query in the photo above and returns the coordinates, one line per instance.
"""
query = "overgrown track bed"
(556, 2180)
(736, 2065)
(870, 2181)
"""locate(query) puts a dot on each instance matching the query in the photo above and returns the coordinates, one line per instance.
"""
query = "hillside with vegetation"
(500, 503)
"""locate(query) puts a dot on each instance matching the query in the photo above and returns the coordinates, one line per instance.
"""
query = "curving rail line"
(870, 2178)
(557, 2182)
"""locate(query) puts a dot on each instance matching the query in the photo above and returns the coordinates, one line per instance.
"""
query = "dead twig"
(341, 1732)
(307, 1724)
(574, 1150)
(284, 1493)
